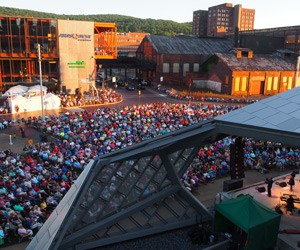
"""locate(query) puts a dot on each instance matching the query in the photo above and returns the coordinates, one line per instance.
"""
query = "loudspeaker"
(282, 184)
(261, 189)
(232, 185)
(237, 170)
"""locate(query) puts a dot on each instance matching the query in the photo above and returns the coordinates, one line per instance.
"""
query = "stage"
(288, 221)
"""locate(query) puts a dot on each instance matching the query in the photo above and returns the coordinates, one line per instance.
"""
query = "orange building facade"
(127, 43)
(62, 45)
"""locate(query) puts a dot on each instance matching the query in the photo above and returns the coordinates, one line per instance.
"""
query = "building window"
(196, 67)
(186, 68)
(290, 82)
(166, 68)
(175, 67)
(275, 83)
(269, 83)
(237, 84)
(240, 84)
(244, 84)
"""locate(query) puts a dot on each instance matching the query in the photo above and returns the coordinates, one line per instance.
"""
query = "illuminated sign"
(77, 64)
(78, 37)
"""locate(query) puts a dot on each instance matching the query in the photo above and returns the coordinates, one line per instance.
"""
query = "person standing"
(292, 181)
(269, 182)
(22, 132)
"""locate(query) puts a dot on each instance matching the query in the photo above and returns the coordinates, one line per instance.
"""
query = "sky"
(268, 13)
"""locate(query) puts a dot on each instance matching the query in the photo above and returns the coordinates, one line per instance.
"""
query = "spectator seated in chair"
(24, 233)
(2, 235)
(290, 204)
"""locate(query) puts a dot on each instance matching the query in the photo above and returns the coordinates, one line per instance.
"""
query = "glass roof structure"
(136, 191)
(275, 119)
(128, 194)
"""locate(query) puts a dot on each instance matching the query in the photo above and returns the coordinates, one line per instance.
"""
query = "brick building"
(272, 39)
(222, 19)
(200, 23)
(240, 72)
(128, 42)
(168, 59)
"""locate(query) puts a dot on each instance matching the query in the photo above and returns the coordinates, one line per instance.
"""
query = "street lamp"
(41, 80)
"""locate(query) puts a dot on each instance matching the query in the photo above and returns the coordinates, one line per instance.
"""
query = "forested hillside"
(124, 23)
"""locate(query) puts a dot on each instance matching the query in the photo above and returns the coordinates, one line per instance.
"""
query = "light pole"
(41, 80)
(297, 71)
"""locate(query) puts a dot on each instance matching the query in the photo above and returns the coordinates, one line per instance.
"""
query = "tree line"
(124, 23)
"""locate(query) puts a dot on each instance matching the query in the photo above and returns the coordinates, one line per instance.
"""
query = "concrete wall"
(76, 53)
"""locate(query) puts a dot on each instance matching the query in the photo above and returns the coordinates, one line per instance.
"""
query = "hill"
(124, 23)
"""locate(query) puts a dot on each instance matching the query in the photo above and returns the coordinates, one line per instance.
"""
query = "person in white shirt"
(25, 232)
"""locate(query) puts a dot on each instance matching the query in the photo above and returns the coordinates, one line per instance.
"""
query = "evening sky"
(269, 14)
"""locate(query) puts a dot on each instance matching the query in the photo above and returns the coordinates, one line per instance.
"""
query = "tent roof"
(246, 212)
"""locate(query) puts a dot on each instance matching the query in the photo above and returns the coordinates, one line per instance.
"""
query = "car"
(140, 86)
(121, 83)
(130, 87)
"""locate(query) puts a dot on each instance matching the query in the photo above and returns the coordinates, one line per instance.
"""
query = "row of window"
(185, 68)
(240, 83)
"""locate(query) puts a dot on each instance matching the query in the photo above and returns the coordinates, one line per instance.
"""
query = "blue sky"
(268, 14)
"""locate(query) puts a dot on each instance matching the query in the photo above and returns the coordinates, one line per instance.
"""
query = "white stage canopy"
(19, 104)
(16, 90)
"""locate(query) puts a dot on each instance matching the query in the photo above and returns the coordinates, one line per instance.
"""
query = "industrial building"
(69, 51)
(168, 59)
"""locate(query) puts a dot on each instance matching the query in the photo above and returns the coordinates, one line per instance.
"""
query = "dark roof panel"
(189, 45)
(257, 62)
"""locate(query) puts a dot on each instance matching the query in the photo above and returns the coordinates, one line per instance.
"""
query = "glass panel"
(186, 67)
(142, 163)
(196, 67)
(94, 211)
(128, 183)
(160, 175)
(179, 164)
(152, 188)
(132, 197)
(123, 169)
(109, 189)
(173, 157)
(269, 83)
(176, 68)
(290, 82)
(113, 205)
(165, 68)
(156, 161)
(77, 219)
(275, 86)
(165, 184)
(187, 152)
(145, 178)
(237, 84)
(92, 193)
(244, 83)
(107, 172)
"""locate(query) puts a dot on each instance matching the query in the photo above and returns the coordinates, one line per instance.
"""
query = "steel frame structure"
(136, 191)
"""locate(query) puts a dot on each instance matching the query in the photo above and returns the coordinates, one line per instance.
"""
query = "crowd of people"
(203, 98)
(95, 97)
(214, 160)
(32, 184)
